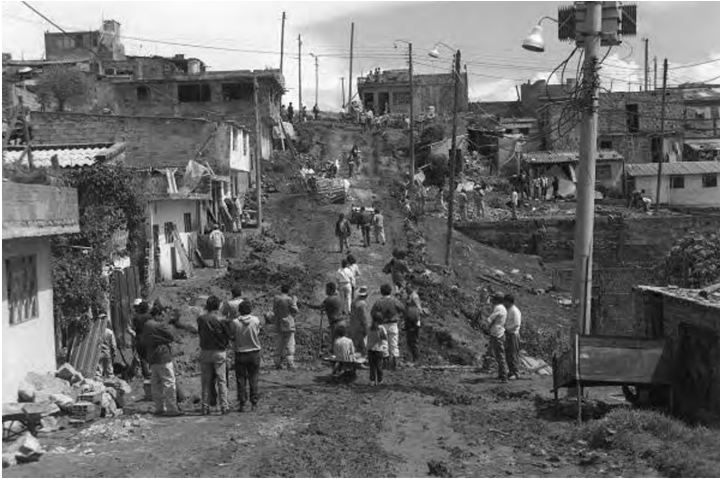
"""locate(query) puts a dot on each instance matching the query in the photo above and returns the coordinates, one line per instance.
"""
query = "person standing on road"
(217, 239)
(344, 282)
(230, 307)
(378, 224)
(289, 112)
(512, 326)
(135, 329)
(412, 318)
(479, 207)
(316, 111)
(157, 340)
(514, 203)
(398, 269)
(333, 307)
(463, 206)
(343, 231)
(284, 307)
(355, 271)
(360, 320)
(244, 335)
(108, 349)
(494, 324)
(214, 339)
(378, 351)
(387, 311)
(365, 220)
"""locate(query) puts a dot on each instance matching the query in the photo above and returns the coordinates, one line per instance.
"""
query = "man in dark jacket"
(141, 316)
(157, 339)
(343, 231)
(214, 338)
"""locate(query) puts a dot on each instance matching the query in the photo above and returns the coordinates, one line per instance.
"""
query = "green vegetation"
(693, 262)
(670, 446)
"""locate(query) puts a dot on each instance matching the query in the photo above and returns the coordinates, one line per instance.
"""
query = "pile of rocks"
(48, 400)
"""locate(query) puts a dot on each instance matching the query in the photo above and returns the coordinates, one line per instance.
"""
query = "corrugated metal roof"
(704, 94)
(68, 155)
(554, 157)
(703, 144)
(712, 297)
(678, 168)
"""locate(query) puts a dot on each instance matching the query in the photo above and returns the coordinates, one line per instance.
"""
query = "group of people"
(503, 326)
(535, 188)
(477, 195)
(366, 221)
(639, 199)
(302, 115)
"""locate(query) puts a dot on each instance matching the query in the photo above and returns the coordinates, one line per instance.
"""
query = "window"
(21, 282)
(604, 172)
(237, 91)
(234, 140)
(632, 118)
(142, 93)
(524, 131)
(606, 145)
(187, 223)
(194, 93)
(709, 181)
(402, 98)
(676, 182)
(168, 227)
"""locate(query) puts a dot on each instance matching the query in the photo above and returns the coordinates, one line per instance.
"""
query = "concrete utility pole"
(412, 154)
(259, 189)
(283, 30)
(300, 98)
(646, 64)
(584, 235)
(662, 153)
(316, 58)
(452, 158)
(655, 73)
(350, 66)
(343, 93)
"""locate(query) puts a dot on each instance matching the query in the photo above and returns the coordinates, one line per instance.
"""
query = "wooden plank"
(185, 258)
(85, 353)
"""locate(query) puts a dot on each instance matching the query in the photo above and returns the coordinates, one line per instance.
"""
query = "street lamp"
(583, 236)
(412, 155)
(434, 53)
(534, 42)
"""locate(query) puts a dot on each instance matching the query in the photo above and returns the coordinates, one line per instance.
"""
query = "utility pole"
(283, 30)
(646, 64)
(343, 93)
(452, 157)
(350, 66)
(584, 235)
(316, 57)
(259, 192)
(655, 73)
(662, 154)
(300, 97)
(412, 154)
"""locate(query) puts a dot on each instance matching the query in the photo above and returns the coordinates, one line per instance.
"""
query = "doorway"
(383, 103)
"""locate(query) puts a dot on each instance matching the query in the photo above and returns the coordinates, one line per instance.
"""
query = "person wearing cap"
(217, 240)
(513, 325)
(135, 329)
(387, 311)
(360, 320)
(108, 349)
(495, 326)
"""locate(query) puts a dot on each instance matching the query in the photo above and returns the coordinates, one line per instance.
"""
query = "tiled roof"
(553, 157)
(68, 155)
(678, 168)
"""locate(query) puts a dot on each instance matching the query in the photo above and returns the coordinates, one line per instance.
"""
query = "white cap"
(137, 301)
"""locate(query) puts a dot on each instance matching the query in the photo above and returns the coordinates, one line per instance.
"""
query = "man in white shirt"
(514, 203)
(495, 325)
(217, 239)
(345, 281)
(513, 324)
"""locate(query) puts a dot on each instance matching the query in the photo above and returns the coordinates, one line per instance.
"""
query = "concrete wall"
(640, 241)
(693, 193)
(173, 211)
(28, 346)
(149, 141)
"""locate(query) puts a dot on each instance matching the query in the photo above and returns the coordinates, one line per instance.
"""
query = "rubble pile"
(45, 401)
(119, 429)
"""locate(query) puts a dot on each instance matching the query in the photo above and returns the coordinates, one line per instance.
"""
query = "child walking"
(378, 349)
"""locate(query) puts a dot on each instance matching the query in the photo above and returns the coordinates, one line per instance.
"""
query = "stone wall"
(150, 141)
(637, 241)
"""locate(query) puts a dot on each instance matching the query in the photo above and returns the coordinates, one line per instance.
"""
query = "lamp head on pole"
(534, 42)
(434, 53)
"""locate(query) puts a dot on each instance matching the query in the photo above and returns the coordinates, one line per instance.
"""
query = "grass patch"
(670, 446)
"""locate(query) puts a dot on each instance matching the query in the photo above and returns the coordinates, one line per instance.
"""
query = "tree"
(437, 171)
(60, 83)
(693, 262)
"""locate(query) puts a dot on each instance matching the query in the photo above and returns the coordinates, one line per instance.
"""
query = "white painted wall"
(693, 193)
(30, 345)
(240, 150)
(172, 211)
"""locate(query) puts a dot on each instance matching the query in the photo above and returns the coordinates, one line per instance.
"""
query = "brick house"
(32, 214)
(690, 322)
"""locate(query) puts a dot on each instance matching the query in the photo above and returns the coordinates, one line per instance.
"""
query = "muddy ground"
(446, 423)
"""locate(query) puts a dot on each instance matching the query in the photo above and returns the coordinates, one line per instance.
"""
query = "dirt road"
(445, 422)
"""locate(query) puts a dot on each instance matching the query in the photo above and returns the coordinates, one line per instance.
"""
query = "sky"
(247, 35)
